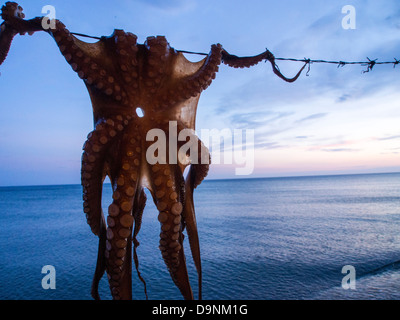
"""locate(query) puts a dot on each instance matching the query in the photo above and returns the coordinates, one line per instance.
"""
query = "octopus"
(135, 88)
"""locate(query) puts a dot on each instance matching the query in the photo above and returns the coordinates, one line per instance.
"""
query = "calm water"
(281, 238)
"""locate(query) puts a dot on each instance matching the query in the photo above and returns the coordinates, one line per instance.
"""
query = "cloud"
(170, 5)
(256, 120)
(312, 117)
(268, 145)
(338, 145)
(394, 20)
(340, 150)
(344, 97)
(389, 138)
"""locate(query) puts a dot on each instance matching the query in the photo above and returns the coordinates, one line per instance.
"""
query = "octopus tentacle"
(120, 219)
(9, 11)
(158, 53)
(193, 85)
(138, 208)
(243, 62)
(203, 78)
(7, 34)
(13, 16)
(197, 172)
(101, 260)
(95, 148)
(191, 224)
(166, 192)
(201, 168)
(247, 62)
(88, 62)
(126, 50)
(100, 264)
(189, 217)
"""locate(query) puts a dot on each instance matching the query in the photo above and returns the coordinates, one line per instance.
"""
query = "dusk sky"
(334, 121)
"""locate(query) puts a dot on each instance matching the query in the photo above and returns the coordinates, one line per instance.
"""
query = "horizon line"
(230, 179)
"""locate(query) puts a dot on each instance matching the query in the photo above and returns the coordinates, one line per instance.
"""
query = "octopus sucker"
(124, 77)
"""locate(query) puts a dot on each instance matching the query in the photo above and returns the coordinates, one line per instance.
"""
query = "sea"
(297, 238)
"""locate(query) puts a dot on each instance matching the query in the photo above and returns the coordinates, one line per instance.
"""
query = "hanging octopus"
(122, 77)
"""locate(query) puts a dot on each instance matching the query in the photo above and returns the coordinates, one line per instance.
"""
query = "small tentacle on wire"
(243, 62)
(370, 64)
(276, 70)
(247, 62)
(308, 62)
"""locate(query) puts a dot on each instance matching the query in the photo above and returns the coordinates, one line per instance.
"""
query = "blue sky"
(336, 120)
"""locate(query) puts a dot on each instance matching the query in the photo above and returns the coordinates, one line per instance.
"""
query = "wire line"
(369, 64)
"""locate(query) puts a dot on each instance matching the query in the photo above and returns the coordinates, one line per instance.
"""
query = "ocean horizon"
(224, 179)
(284, 238)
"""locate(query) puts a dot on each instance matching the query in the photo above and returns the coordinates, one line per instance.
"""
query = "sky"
(333, 121)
